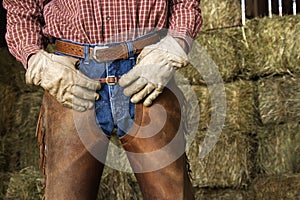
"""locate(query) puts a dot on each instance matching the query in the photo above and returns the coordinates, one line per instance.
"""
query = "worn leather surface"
(160, 127)
(71, 171)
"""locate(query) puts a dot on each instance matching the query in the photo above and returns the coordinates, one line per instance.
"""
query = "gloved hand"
(57, 75)
(155, 66)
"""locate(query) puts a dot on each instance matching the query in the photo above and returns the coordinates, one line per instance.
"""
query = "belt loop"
(130, 48)
(86, 59)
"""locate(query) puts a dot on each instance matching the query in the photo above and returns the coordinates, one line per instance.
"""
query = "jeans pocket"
(92, 69)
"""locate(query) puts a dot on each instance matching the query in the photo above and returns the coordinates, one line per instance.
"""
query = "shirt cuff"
(183, 36)
(27, 52)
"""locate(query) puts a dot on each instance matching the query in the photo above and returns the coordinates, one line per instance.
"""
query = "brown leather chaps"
(156, 149)
(154, 146)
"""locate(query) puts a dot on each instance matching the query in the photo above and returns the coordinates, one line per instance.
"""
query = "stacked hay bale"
(219, 14)
(6, 118)
(273, 47)
(25, 184)
(265, 118)
(278, 149)
(8, 97)
(19, 106)
(278, 137)
(223, 46)
(216, 194)
(118, 185)
(118, 171)
(278, 90)
(277, 187)
(229, 164)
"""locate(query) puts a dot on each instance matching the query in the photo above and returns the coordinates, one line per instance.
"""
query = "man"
(112, 69)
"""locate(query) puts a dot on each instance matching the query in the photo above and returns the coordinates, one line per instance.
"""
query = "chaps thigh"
(156, 149)
(71, 171)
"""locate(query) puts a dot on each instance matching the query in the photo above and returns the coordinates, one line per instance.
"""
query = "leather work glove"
(155, 66)
(57, 75)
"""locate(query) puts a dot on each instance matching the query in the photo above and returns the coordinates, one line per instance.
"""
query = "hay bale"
(239, 107)
(215, 52)
(263, 47)
(22, 140)
(4, 165)
(12, 73)
(278, 99)
(277, 187)
(273, 46)
(7, 104)
(9, 68)
(117, 183)
(224, 194)
(4, 179)
(18, 146)
(25, 184)
(230, 162)
(218, 14)
(278, 149)
(240, 114)
(228, 165)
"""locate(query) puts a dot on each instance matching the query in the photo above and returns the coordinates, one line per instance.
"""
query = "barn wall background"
(257, 155)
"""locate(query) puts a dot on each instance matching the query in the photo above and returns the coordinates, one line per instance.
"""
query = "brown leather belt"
(106, 52)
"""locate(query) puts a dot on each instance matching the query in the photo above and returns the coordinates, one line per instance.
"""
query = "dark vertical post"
(2, 25)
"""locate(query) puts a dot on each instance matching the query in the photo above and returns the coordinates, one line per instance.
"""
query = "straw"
(277, 187)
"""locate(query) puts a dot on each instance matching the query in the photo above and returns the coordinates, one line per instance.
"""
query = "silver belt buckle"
(111, 83)
(96, 48)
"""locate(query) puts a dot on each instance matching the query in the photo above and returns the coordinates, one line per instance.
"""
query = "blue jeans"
(113, 109)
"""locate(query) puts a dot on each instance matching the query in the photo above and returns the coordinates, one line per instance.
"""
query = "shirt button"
(108, 18)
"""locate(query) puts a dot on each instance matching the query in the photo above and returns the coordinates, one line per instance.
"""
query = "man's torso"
(103, 21)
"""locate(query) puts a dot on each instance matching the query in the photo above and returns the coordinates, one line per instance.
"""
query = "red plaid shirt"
(95, 22)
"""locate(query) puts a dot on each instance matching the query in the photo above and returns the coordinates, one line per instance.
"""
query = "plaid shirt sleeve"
(185, 20)
(23, 28)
